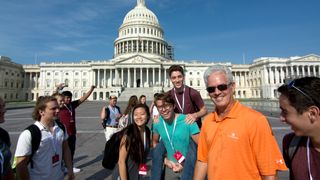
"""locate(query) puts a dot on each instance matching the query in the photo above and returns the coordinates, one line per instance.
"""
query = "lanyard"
(70, 110)
(175, 95)
(174, 128)
(144, 140)
(52, 137)
(308, 158)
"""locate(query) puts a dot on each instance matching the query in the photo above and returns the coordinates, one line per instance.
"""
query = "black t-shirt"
(5, 152)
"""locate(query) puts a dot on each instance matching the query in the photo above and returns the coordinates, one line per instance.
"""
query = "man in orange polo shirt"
(235, 142)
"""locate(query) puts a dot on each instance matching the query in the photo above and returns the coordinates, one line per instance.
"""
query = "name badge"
(55, 160)
(179, 157)
(143, 169)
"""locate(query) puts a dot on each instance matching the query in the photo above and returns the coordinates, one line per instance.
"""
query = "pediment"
(138, 59)
(309, 58)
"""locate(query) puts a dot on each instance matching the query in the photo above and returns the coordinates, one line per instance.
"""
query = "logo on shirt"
(233, 136)
(279, 161)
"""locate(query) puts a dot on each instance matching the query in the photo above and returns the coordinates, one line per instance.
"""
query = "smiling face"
(177, 79)
(222, 99)
(2, 110)
(60, 100)
(300, 123)
(143, 100)
(140, 116)
(165, 109)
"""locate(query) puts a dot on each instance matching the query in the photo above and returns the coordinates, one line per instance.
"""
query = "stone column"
(148, 85)
(309, 73)
(105, 77)
(121, 76)
(271, 76)
(134, 78)
(110, 77)
(128, 83)
(99, 78)
(36, 80)
(160, 76)
(165, 78)
(314, 70)
(116, 74)
(153, 76)
(303, 71)
(30, 80)
(141, 80)
(291, 69)
(297, 70)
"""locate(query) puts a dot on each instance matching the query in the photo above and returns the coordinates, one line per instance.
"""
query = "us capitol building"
(140, 65)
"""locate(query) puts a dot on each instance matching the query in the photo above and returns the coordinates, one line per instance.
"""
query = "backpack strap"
(61, 126)
(293, 146)
(35, 140)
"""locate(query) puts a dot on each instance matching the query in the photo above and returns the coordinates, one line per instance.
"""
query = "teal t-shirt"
(180, 138)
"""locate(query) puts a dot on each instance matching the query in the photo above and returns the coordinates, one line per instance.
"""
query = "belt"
(114, 126)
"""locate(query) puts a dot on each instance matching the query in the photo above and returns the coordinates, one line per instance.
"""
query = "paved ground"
(90, 138)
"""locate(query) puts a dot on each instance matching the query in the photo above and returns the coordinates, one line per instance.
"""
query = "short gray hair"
(218, 68)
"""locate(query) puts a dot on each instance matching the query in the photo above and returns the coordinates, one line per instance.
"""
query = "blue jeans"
(158, 157)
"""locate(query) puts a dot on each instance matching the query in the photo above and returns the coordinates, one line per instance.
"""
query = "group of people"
(45, 149)
(232, 142)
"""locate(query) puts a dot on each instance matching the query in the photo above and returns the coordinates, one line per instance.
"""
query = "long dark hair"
(133, 100)
(134, 142)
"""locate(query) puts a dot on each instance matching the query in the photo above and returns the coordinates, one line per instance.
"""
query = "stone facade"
(141, 61)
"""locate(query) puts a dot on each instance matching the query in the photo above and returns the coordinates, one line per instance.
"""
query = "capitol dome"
(141, 33)
(140, 15)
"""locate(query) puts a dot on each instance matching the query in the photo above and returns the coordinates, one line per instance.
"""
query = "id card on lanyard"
(177, 154)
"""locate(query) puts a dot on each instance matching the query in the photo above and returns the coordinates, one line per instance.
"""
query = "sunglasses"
(221, 87)
(292, 85)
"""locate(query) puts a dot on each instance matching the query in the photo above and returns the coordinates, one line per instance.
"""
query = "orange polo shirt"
(239, 146)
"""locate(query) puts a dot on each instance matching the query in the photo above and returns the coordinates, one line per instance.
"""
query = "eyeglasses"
(291, 85)
(221, 87)
(164, 107)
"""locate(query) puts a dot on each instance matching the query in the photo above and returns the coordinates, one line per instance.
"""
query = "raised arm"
(85, 97)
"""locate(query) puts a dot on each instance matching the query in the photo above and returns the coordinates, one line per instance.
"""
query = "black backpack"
(36, 137)
(111, 150)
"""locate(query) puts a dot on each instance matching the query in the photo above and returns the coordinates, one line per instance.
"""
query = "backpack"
(292, 149)
(36, 138)
(108, 114)
(111, 150)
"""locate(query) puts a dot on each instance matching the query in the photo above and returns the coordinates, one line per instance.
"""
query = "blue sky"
(34, 31)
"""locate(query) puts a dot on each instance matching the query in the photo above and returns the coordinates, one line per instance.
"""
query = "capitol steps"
(125, 95)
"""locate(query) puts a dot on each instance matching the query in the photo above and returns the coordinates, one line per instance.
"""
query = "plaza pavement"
(91, 140)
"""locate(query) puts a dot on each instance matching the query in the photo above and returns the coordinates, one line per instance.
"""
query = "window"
(76, 73)
(191, 83)
(84, 83)
(84, 73)
(66, 74)
(190, 73)
(198, 83)
(76, 83)
(56, 73)
(48, 74)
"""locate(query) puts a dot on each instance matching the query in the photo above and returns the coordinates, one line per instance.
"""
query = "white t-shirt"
(50, 145)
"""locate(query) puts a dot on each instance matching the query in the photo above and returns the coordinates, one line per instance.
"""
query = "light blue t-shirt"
(181, 136)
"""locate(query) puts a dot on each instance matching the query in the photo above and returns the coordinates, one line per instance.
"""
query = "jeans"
(158, 157)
